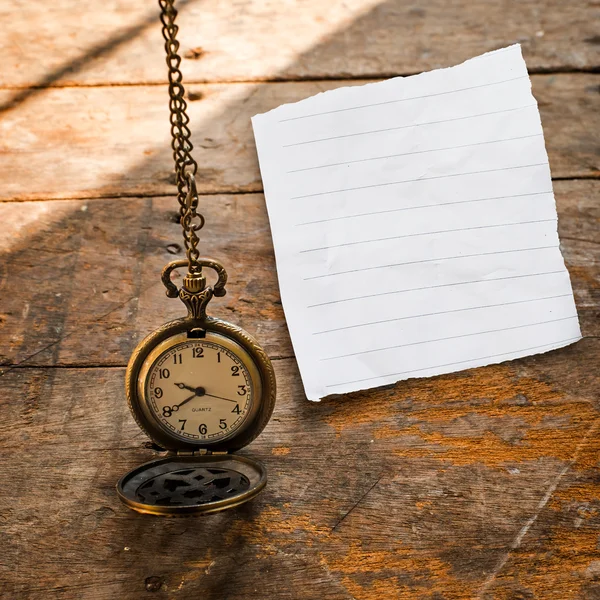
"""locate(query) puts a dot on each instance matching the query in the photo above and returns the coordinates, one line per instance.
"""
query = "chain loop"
(185, 166)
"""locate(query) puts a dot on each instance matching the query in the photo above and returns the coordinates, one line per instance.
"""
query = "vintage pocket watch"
(199, 387)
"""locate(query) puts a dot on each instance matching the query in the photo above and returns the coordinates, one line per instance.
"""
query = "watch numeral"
(218, 357)
(242, 391)
(198, 352)
(222, 424)
(184, 421)
(177, 358)
(235, 371)
(202, 429)
(236, 409)
(168, 410)
(158, 392)
(164, 373)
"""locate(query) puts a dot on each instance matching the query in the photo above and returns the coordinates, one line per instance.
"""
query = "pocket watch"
(199, 387)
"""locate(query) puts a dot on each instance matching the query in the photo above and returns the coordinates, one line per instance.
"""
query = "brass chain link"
(185, 166)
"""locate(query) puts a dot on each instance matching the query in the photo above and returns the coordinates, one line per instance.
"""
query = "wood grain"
(481, 484)
(81, 278)
(119, 41)
(114, 141)
(477, 485)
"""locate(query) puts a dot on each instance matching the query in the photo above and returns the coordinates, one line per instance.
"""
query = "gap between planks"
(363, 76)
(113, 196)
(5, 368)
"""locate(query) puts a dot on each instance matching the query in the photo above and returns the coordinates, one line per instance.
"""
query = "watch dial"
(199, 390)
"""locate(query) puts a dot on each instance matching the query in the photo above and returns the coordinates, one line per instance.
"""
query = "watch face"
(200, 390)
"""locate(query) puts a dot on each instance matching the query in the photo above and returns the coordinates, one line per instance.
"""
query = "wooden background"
(483, 484)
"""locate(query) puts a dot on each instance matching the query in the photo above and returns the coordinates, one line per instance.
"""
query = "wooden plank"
(114, 141)
(119, 41)
(99, 270)
(479, 484)
(80, 282)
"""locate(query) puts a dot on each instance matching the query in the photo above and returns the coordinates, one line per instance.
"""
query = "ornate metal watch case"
(197, 474)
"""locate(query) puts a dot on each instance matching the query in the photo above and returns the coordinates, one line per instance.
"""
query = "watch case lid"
(189, 484)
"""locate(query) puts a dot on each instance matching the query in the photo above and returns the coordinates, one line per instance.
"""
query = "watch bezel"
(227, 334)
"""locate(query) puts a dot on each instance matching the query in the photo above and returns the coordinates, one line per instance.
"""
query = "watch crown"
(194, 282)
(194, 292)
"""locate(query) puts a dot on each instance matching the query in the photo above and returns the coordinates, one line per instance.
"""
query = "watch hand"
(220, 398)
(182, 386)
(186, 400)
(199, 391)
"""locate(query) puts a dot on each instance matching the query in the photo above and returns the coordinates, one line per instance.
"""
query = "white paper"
(415, 227)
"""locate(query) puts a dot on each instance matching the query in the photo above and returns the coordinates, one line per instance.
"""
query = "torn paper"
(415, 227)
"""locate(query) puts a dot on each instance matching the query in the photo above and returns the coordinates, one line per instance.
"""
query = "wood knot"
(195, 53)
(153, 583)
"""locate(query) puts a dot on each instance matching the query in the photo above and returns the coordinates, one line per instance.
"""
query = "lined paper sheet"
(415, 227)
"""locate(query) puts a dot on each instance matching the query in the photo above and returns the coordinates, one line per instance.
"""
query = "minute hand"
(220, 398)
(185, 401)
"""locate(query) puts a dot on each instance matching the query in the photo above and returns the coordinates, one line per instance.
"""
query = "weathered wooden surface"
(97, 272)
(119, 41)
(114, 141)
(482, 484)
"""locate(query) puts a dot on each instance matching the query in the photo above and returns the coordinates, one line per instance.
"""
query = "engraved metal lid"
(186, 485)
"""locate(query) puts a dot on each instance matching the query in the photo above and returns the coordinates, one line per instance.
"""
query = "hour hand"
(182, 386)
